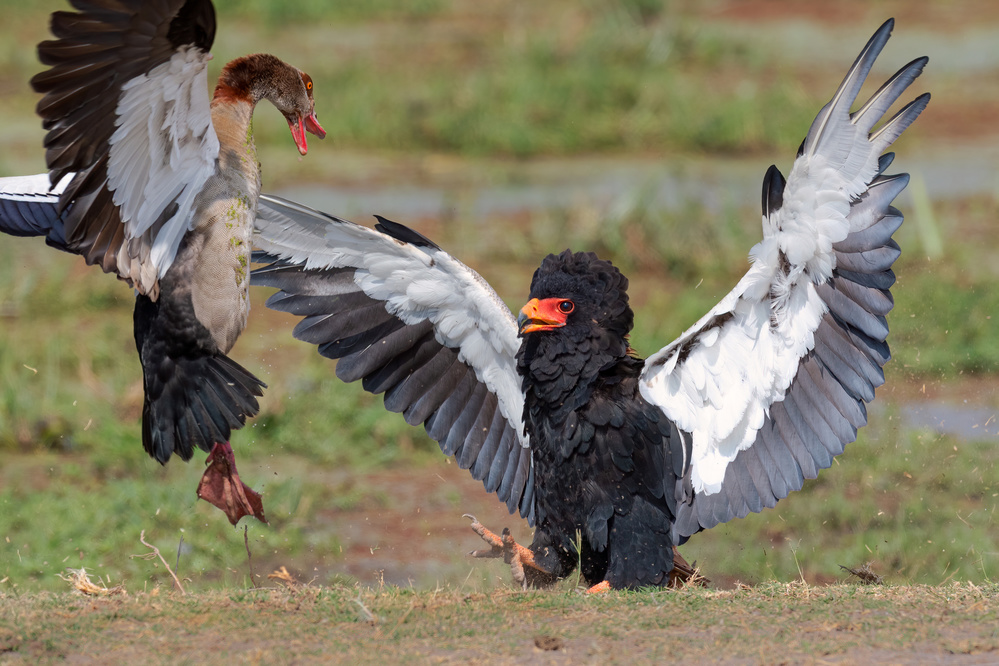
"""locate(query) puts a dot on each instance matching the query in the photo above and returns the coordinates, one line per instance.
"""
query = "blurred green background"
(507, 129)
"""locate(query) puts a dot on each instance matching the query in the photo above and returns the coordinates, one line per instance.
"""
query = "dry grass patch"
(391, 625)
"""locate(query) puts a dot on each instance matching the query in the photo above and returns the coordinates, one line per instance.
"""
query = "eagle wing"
(772, 383)
(412, 322)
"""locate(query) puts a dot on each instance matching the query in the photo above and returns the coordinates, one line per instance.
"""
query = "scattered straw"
(81, 583)
(284, 576)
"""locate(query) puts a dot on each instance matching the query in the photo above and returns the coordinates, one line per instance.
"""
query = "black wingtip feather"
(773, 191)
(403, 233)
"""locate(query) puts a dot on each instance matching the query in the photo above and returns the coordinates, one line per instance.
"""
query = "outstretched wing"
(772, 383)
(409, 320)
(29, 206)
(127, 113)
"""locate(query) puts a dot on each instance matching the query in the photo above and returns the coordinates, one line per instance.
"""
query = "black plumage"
(603, 456)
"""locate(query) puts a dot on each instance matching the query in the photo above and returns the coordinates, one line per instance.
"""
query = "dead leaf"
(548, 643)
(282, 575)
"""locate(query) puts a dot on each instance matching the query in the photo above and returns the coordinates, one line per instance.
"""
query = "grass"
(842, 622)
(70, 400)
(481, 79)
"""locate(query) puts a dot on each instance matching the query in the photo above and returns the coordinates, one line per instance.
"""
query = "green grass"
(475, 79)
(494, 83)
(70, 400)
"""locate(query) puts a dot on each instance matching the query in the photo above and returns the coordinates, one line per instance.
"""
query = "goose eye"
(565, 307)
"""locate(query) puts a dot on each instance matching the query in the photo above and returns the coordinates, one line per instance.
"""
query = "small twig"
(156, 552)
(249, 557)
(365, 613)
(179, 546)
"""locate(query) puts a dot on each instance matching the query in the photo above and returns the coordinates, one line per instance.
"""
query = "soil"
(412, 531)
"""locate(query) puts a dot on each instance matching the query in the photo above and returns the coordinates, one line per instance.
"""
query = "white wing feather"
(719, 379)
(163, 151)
(415, 283)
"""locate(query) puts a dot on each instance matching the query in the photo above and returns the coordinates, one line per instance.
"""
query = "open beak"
(540, 315)
(300, 126)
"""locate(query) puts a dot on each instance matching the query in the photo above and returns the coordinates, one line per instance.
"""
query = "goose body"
(158, 184)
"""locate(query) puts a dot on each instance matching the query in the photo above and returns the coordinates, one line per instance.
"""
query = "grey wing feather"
(387, 337)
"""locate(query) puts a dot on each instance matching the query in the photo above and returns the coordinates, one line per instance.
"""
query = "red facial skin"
(544, 314)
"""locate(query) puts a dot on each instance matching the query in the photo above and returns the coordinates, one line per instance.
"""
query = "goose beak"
(300, 126)
(313, 126)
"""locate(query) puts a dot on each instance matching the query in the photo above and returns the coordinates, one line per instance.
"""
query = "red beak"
(299, 127)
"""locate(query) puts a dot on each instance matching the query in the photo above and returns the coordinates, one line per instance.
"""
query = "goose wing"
(412, 322)
(125, 105)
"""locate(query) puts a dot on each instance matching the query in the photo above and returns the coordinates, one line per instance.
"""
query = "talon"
(489, 537)
(505, 546)
(516, 567)
(492, 552)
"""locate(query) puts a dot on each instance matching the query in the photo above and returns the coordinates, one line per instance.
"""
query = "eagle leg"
(681, 574)
(513, 553)
(684, 573)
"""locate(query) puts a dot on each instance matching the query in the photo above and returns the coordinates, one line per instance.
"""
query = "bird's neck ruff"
(561, 372)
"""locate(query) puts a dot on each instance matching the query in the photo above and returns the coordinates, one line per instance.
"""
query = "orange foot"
(602, 586)
(504, 546)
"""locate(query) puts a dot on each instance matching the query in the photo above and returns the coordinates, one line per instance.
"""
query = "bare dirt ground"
(410, 531)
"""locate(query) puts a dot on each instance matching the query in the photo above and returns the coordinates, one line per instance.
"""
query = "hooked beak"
(300, 126)
(540, 315)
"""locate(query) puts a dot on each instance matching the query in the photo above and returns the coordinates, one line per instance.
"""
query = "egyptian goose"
(159, 185)
(554, 412)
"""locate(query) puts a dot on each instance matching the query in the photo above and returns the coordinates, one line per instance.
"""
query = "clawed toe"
(504, 546)
(496, 544)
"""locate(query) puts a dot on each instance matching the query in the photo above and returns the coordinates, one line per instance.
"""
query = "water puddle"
(967, 422)
(945, 171)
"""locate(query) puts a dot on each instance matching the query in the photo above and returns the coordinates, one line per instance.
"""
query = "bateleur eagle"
(555, 413)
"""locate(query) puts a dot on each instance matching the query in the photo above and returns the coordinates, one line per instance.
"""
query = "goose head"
(263, 76)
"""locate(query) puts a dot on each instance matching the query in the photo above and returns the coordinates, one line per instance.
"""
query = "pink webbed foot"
(220, 486)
